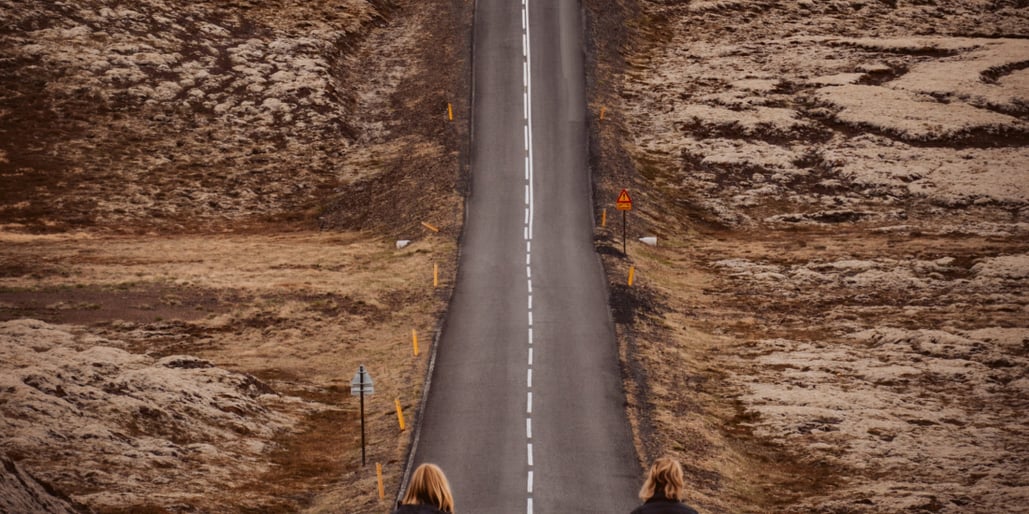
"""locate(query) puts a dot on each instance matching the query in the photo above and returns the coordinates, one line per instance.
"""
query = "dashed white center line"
(529, 208)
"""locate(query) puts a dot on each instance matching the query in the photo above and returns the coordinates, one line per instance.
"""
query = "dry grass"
(307, 309)
(223, 141)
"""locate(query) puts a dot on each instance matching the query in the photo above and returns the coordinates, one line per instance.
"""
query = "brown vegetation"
(834, 319)
(198, 208)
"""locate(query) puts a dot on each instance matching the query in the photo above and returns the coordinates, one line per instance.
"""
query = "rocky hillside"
(21, 492)
(191, 115)
(835, 317)
(198, 208)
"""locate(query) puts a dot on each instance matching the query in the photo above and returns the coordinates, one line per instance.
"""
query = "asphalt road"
(526, 410)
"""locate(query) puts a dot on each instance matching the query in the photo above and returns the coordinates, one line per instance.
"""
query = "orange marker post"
(414, 341)
(602, 111)
(435, 275)
(400, 415)
(450, 112)
(378, 473)
(632, 274)
(603, 218)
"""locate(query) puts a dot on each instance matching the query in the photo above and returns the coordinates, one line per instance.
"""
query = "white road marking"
(529, 214)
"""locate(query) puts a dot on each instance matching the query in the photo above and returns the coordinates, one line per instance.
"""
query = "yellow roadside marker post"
(414, 341)
(603, 218)
(400, 414)
(450, 112)
(435, 276)
(632, 274)
(378, 473)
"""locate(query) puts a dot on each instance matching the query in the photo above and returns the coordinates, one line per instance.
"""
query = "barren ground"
(835, 318)
(198, 205)
(198, 209)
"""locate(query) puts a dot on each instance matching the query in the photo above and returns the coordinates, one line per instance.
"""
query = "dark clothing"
(658, 504)
(417, 509)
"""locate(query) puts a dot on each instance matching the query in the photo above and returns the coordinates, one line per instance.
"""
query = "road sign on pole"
(624, 204)
(360, 386)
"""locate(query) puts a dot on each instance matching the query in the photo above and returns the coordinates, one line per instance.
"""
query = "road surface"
(525, 412)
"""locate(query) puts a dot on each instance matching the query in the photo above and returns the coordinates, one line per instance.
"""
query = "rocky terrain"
(199, 204)
(835, 317)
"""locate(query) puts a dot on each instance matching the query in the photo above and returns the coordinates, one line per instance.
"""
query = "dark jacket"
(417, 509)
(658, 504)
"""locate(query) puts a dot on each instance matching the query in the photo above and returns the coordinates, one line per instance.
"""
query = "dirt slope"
(835, 317)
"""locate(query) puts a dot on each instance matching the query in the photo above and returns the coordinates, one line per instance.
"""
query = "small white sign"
(362, 380)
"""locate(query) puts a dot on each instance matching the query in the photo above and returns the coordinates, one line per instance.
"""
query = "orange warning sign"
(624, 203)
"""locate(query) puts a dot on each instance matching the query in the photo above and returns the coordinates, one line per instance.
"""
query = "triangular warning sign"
(624, 203)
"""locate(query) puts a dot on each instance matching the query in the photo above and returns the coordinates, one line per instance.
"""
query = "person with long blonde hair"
(663, 489)
(427, 493)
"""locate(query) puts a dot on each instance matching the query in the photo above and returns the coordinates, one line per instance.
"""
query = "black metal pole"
(363, 462)
(623, 234)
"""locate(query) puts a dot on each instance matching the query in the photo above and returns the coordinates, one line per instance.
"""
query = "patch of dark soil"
(926, 51)
(631, 303)
(992, 137)
(88, 305)
(305, 460)
(331, 304)
(768, 134)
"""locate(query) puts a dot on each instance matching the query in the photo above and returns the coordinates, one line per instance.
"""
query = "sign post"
(359, 386)
(624, 204)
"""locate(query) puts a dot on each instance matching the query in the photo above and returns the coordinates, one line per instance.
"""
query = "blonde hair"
(666, 473)
(429, 486)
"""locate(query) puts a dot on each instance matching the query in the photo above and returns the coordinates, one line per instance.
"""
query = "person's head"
(666, 476)
(429, 486)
